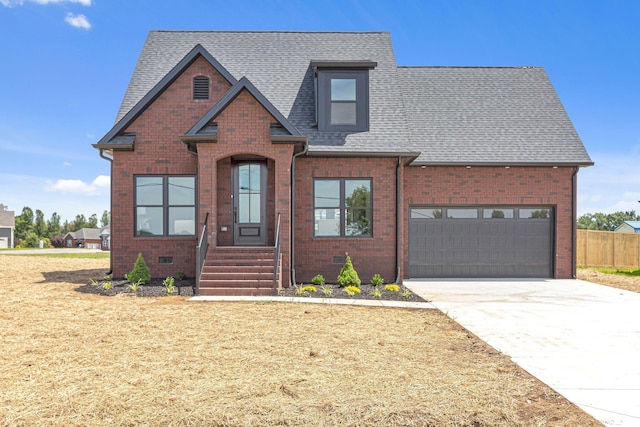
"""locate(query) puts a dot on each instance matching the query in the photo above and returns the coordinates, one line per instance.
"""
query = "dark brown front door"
(249, 203)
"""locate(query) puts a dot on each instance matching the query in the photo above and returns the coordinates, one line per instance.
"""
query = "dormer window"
(201, 87)
(342, 95)
(343, 100)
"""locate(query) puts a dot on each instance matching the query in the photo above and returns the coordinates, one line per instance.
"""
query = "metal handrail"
(201, 252)
(276, 258)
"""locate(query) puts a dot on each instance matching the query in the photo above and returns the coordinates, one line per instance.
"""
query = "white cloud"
(12, 3)
(80, 187)
(78, 21)
(66, 164)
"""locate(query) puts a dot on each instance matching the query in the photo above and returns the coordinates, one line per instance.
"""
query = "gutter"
(574, 214)
(110, 160)
(292, 240)
(398, 220)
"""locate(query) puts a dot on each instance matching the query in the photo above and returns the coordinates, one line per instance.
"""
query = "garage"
(480, 242)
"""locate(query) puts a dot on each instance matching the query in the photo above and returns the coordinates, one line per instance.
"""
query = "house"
(7, 227)
(629, 227)
(254, 160)
(88, 238)
(105, 237)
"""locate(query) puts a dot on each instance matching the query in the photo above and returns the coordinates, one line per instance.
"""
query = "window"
(343, 100)
(201, 87)
(342, 207)
(497, 213)
(165, 206)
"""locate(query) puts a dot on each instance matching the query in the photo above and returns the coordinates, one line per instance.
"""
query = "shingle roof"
(488, 115)
(7, 218)
(278, 64)
(86, 234)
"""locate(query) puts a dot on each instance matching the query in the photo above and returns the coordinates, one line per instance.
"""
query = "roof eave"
(505, 164)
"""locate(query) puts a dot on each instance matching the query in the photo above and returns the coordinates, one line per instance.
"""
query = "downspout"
(292, 240)
(574, 215)
(110, 160)
(398, 219)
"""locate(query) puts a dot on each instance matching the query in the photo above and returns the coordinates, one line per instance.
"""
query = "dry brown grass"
(629, 283)
(73, 359)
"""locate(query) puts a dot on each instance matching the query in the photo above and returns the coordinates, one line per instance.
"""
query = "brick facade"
(370, 255)
(533, 186)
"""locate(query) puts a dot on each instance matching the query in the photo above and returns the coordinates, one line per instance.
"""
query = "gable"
(119, 138)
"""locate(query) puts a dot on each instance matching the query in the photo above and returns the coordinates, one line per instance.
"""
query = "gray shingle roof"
(488, 115)
(451, 115)
(278, 64)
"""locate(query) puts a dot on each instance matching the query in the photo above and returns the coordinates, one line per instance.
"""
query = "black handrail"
(201, 252)
(276, 258)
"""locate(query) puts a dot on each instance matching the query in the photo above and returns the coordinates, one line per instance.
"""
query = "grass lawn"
(74, 359)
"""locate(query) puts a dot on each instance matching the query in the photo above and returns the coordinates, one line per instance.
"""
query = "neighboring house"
(88, 238)
(7, 227)
(320, 144)
(629, 227)
(105, 237)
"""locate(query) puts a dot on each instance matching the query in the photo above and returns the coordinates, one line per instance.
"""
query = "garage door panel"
(496, 247)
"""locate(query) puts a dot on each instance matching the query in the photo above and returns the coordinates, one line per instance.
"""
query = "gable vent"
(201, 87)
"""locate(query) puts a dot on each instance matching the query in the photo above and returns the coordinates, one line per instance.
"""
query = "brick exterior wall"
(370, 255)
(459, 186)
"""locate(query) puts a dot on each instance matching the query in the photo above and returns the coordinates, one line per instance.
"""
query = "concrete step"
(236, 291)
(240, 284)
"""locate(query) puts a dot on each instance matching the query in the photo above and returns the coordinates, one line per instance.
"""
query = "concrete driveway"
(581, 339)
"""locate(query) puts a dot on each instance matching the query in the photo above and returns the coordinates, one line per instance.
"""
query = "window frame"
(324, 101)
(165, 206)
(343, 208)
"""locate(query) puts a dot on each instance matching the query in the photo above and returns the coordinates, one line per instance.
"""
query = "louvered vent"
(201, 87)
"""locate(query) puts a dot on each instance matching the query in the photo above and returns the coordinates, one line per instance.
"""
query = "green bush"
(376, 280)
(140, 273)
(318, 280)
(348, 275)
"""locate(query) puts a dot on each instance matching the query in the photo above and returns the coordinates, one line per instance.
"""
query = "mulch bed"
(186, 287)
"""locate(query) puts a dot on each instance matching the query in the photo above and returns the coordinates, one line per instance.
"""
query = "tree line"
(31, 227)
(606, 222)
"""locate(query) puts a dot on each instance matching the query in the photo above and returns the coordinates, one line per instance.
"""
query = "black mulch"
(186, 287)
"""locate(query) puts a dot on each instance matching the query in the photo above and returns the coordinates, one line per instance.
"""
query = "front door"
(249, 203)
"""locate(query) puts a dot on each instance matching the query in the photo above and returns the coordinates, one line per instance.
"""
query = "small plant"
(318, 280)
(300, 290)
(352, 290)
(376, 280)
(406, 293)
(94, 283)
(107, 285)
(180, 275)
(376, 293)
(392, 288)
(169, 285)
(309, 289)
(326, 291)
(348, 275)
(135, 287)
(140, 271)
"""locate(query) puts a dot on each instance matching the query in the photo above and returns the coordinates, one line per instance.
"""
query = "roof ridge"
(269, 31)
(471, 66)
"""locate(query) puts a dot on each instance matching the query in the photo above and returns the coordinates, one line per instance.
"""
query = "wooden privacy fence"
(608, 249)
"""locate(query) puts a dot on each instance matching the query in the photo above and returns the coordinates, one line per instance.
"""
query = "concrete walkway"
(581, 339)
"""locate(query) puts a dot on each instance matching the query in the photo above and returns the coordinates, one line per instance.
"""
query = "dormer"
(342, 95)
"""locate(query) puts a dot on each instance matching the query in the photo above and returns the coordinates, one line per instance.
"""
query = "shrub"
(318, 280)
(309, 288)
(57, 242)
(326, 291)
(392, 288)
(135, 287)
(406, 293)
(352, 290)
(180, 275)
(376, 293)
(376, 280)
(140, 272)
(169, 285)
(348, 275)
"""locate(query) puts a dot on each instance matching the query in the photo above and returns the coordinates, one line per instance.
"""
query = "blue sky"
(65, 65)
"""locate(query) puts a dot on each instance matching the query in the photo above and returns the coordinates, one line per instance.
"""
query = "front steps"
(238, 271)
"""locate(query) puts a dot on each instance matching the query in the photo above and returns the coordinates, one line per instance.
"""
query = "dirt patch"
(614, 280)
(72, 359)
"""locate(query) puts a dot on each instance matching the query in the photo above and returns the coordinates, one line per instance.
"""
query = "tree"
(78, 223)
(66, 227)
(40, 225)
(93, 221)
(105, 219)
(54, 225)
(605, 222)
(24, 223)
(358, 221)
